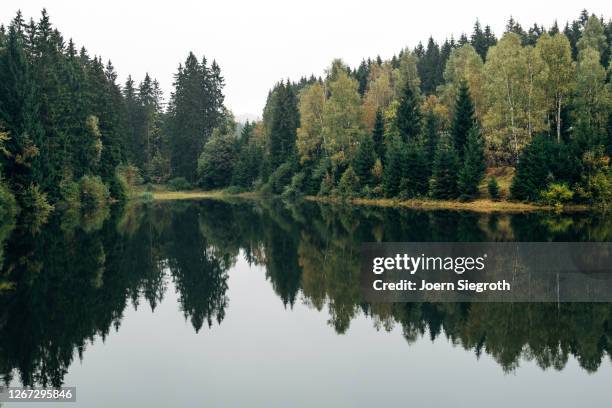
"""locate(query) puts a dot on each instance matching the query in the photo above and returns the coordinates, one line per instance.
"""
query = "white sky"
(257, 43)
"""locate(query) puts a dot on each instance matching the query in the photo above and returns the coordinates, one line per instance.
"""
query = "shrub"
(493, 188)
(127, 177)
(557, 195)
(178, 184)
(94, 193)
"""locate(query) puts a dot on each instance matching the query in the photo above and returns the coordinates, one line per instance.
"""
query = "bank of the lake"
(480, 205)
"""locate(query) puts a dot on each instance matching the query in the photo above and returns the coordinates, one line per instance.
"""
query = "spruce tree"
(445, 171)
(415, 172)
(364, 161)
(431, 129)
(473, 168)
(378, 136)
(463, 118)
(393, 169)
(408, 116)
(532, 171)
(282, 124)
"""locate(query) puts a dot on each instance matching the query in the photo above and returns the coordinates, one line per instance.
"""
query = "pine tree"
(429, 68)
(463, 118)
(445, 170)
(393, 170)
(473, 168)
(195, 109)
(431, 130)
(408, 116)
(282, 124)
(378, 134)
(532, 172)
(415, 172)
(364, 161)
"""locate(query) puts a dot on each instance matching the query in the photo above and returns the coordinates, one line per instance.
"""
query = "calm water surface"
(206, 303)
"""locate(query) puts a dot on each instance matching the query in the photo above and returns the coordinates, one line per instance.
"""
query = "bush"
(94, 193)
(493, 188)
(558, 195)
(178, 184)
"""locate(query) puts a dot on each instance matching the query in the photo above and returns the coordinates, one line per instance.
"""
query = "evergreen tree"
(431, 130)
(408, 116)
(532, 172)
(429, 68)
(463, 118)
(378, 136)
(364, 161)
(216, 163)
(393, 170)
(282, 120)
(445, 172)
(415, 172)
(473, 168)
(195, 109)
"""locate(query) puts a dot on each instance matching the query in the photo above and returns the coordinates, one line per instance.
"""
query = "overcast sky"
(256, 43)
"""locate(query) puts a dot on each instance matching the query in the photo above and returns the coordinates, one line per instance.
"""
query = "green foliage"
(463, 119)
(532, 172)
(557, 195)
(596, 184)
(364, 161)
(473, 168)
(408, 115)
(35, 202)
(393, 170)
(415, 173)
(94, 193)
(349, 183)
(8, 204)
(444, 183)
(179, 184)
(281, 119)
(378, 134)
(281, 177)
(216, 163)
(195, 109)
(248, 166)
(70, 192)
(493, 188)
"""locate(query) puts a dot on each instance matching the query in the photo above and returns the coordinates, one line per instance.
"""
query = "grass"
(165, 195)
(480, 205)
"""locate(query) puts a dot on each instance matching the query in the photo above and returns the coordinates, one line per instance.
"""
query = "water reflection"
(71, 281)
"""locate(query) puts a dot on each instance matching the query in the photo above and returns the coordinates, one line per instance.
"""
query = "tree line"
(71, 135)
(429, 121)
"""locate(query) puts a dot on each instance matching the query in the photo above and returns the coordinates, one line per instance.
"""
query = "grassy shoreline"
(479, 205)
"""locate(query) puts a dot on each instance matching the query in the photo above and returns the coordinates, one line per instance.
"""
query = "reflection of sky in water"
(264, 354)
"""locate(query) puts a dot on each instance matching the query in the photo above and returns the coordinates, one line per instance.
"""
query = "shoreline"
(481, 205)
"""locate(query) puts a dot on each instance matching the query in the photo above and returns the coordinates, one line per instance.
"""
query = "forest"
(438, 121)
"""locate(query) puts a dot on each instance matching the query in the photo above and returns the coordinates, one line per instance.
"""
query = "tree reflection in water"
(70, 281)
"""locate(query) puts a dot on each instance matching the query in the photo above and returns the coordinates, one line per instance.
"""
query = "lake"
(258, 303)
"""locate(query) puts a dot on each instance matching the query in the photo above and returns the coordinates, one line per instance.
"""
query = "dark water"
(258, 304)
